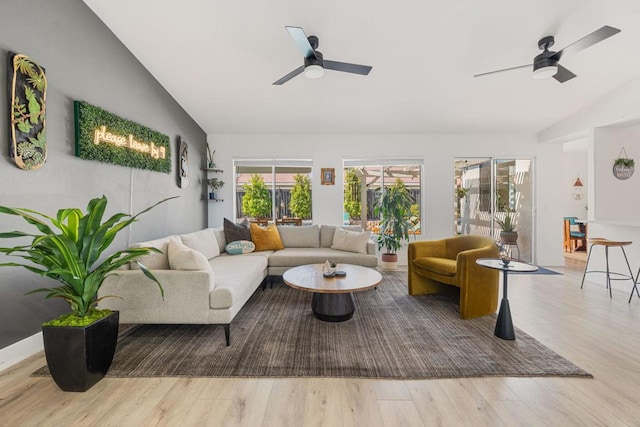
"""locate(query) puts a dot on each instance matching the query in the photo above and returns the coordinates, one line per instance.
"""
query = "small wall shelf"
(213, 170)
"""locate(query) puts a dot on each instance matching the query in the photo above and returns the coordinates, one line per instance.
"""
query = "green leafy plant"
(352, 188)
(461, 192)
(68, 248)
(215, 183)
(507, 224)
(300, 204)
(624, 162)
(256, 201)
(394, 205)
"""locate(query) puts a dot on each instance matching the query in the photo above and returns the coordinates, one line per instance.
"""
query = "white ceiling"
(218, 59)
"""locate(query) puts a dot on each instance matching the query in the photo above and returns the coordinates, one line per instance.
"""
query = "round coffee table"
(332, 296)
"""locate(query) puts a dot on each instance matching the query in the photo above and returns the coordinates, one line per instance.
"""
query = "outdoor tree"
(352, 194)
(300, 204)
(256, 201)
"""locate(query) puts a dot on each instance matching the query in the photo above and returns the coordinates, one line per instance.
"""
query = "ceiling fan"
(547, 64)
(314, 63)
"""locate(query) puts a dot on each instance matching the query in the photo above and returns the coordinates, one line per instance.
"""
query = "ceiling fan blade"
(346, 67)
(300, 39)
(289, 76)
(563, 74)
(589, 40)
(504, 69)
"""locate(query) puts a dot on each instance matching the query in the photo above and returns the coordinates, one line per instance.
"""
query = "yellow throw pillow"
(266, 239)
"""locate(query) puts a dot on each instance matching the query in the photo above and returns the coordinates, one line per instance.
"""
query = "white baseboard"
(21, 350)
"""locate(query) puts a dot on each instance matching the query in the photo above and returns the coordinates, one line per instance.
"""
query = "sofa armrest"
(466, 266)
(186, 296)
(371, 248)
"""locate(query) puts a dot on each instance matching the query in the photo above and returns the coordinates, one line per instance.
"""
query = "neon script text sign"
(103, 135)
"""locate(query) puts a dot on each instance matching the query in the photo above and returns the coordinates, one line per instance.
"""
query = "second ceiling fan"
(547, 64)
(314, 63)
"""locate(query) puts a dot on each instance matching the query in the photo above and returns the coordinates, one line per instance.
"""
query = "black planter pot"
(79, 357)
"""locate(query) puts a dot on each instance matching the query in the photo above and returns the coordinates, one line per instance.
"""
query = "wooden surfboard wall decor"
(27, 95)
(183, 164)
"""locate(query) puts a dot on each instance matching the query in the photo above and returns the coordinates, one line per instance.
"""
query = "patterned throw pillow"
(240, 247)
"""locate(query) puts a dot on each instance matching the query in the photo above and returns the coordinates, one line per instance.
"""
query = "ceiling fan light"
(313, 71)
(545, 72)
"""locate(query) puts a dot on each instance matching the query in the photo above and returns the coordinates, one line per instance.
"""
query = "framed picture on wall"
(328, 176)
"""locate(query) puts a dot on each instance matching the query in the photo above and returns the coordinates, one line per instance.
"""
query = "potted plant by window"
(215, 184)
(508, 235)
(394, 206)
(79, 346)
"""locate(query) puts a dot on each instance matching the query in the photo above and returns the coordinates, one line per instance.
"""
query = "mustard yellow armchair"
(440, 266)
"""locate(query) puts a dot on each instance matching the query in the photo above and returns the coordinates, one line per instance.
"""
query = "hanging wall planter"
(623, 166)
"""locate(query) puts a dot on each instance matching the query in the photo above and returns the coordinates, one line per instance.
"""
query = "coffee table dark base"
(333, 307)
(504, 324)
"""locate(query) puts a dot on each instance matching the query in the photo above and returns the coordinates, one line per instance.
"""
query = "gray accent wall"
(85, 61)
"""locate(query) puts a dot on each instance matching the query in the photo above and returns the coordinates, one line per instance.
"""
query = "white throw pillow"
(350, 241)
(182, 257)
(153, 260)
(203, 241)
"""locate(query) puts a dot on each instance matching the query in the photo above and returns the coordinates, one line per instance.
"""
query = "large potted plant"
(394, 206)
(79, 346)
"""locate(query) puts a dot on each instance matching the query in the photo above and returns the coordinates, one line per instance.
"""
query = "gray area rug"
(392, 335)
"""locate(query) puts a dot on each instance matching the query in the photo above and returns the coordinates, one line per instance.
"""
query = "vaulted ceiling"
(218, 59)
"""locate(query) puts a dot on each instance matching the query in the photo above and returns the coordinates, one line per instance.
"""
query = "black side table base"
(333, 307)
(504, 324)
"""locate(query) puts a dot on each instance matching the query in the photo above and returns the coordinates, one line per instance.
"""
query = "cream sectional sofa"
(205, 285)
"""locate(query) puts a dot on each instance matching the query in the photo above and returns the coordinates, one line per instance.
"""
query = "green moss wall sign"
(107, 138)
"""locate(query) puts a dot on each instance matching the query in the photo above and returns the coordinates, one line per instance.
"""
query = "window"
(363, 180)
(273, 190)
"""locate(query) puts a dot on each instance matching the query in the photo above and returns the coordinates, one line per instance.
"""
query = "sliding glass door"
(486, 192)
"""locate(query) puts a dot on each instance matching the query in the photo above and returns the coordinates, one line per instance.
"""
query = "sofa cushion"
(219, 233)
(293, 257)
(327, 232)
(266, 238)
(233, 232)
(240, 247)
(234, 277)
(182, 257)
(306, 236)
(153, 261)
(203, 241)
(442, 266)
(351, 241)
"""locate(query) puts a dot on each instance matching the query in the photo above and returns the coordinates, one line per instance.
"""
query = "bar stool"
(599, 241)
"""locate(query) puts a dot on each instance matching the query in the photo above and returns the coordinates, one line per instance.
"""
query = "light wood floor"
(599, 334)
